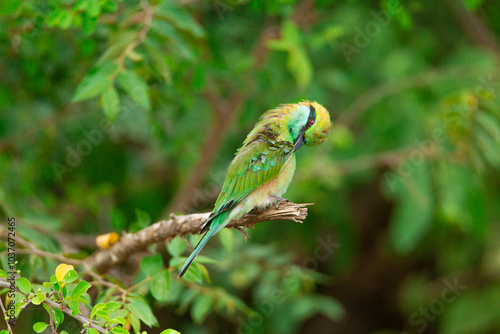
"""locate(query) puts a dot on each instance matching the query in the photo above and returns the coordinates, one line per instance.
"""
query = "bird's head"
(308, 123)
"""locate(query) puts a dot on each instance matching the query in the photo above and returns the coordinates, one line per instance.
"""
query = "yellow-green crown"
(319, 131)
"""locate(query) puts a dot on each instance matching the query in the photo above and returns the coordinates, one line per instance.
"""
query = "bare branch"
(6, 316)
(182, 225)
(41, 253)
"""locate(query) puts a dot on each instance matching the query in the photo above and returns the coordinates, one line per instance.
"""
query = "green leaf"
(94, 8)
(103, 314)
(95, 82)
(40, 327)
(307, 306)
(177, 261)
(10, 7)
(161, 66)
(180, 18)
(151, 264)
(166, 30)
(80, 289)
(226, 238)
(70, 276)
(135, 87)
(176, 246)
(142, 310)
(38, 299)
(170, 331)
(4, 331)
(88, 24)
(92, 331)
(160, 285)
(143, 218)
(201, 308)
(134, 321)
(412, 216)
(111, 306)
(24, 285)
(75, 307)
(110, 102)
(470, 312)
(119, 330)
(118, 320)
(205, 259)
(298, 62)
(46, 285)
(204, 273)
(2, 273)
(17, 306)
(194, 273)
(96, 308)
(473, 4)
(58, 316)
(118, 46)
(300, 67)
(329, 307)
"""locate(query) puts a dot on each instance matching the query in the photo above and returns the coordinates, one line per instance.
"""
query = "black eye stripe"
(312, 114)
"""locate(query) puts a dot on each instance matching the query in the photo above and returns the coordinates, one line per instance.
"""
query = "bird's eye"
(311, 122)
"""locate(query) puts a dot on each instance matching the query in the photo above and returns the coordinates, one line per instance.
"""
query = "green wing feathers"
(255, 165)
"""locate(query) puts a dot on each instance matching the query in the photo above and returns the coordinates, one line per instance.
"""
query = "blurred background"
(116, 113)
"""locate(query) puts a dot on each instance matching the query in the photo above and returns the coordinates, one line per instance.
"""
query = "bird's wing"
(254, 165)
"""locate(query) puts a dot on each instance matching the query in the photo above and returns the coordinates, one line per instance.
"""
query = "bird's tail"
(215, 226)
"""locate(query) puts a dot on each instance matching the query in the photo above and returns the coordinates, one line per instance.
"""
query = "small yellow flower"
(61, 271)
(104, 241)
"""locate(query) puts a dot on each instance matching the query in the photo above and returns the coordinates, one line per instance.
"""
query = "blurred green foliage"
(107, 106)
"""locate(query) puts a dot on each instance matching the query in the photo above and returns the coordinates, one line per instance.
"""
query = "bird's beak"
(301, 139)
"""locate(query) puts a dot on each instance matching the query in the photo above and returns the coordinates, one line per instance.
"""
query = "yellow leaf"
(61, 271)
(104, 241)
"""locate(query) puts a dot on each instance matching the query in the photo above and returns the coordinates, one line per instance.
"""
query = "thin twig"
(51, 320)
(4, 311)
(24, 306)
(148, 21)
(41, 253)
(182, 225)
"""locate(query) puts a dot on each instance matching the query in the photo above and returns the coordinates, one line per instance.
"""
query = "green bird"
(263, 167)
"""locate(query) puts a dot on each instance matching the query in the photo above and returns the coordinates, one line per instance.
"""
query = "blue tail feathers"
(214, 228)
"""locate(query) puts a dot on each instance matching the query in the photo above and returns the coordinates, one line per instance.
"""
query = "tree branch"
(6, 316)
(182, 225)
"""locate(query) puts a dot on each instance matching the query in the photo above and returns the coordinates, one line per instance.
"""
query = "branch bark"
(186, 224)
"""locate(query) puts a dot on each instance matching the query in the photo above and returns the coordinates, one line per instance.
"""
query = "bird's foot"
(242, 231)
(280, 199)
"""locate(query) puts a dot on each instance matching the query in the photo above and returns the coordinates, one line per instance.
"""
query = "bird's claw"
(242, 231)
(280, 200)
